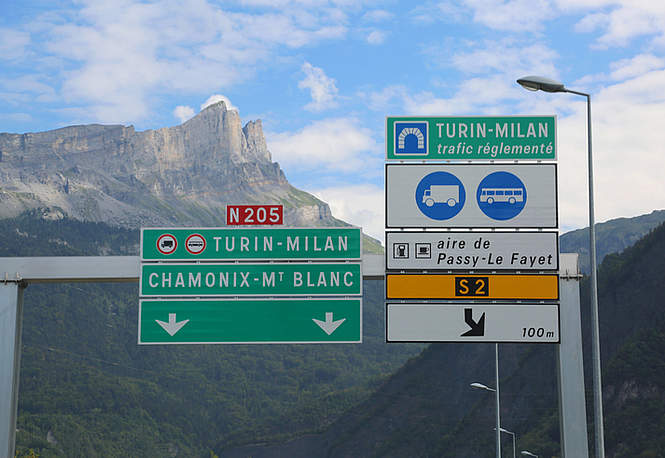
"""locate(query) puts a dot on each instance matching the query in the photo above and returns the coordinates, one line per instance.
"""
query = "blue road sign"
(411, 138)
(423, 196)
(501, 195)
(440, 195)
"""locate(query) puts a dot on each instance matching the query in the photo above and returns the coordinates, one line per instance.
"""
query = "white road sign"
(518, 323)
(472, 251)
(471, 195)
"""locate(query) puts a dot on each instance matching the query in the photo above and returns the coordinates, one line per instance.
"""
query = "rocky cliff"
(182, 175)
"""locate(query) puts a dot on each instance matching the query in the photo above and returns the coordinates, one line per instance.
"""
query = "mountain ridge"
(612, 236)
(180, 175)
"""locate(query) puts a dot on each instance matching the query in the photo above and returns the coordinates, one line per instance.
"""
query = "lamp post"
(498, 407)
(535, 83)
(528, 453)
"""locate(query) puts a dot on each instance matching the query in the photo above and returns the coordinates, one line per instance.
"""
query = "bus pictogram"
(510, 195)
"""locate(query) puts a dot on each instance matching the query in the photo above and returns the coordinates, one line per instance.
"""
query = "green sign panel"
(190, 244)
(471, 138)
(208, 321)
(245, 279)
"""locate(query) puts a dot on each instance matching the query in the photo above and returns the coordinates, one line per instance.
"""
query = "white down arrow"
(329, 325)
(172, 326)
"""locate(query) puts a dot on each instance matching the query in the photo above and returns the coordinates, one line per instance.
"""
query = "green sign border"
(149, 236)
(255, 269)
(263, 317)
(471, 148)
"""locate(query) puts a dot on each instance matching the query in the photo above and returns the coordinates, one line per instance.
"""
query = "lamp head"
(539, 83)
(481, 386)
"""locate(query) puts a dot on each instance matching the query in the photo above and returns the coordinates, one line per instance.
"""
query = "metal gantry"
(17, 273)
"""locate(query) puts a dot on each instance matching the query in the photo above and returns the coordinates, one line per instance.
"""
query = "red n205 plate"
(254, 214)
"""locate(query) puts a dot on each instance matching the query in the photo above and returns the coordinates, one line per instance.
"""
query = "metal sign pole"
(498, 405)
(572, 410)
(11, 304)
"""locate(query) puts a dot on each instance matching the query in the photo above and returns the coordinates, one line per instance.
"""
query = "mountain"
(183, 175)
(612, 236)
(428, 409)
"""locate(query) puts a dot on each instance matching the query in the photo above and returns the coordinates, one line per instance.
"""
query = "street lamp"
(535, 83)
(498, 408)
(528, 453)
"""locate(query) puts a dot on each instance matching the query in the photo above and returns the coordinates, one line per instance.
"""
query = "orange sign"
(446, 286)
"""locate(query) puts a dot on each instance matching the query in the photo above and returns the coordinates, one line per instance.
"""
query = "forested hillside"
(87, 389)
(612, 236)
(428, 408)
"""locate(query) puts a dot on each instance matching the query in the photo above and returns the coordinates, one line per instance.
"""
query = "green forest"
(88, 390)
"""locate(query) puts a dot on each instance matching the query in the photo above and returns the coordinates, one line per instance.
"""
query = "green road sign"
(471, 138)
(245, 279)
(208, 321)
(190, 244)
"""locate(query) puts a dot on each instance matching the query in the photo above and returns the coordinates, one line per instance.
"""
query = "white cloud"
(635, 66)
(525, 16)
(494, 67)
(617, 21)
(360, 205)
(627, 148)
(591, 22)
(112, 58)
(337, 144)
(621, 21)
(215, 98)
(507, 56)
(376, 37)
(377, 16)
(321, 87)
(383, 100)
(27, 89)
(183, 113)
(446, 11)
(13, 43)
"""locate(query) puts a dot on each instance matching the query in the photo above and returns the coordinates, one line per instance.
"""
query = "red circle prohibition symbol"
(195, 244)
(166, 244)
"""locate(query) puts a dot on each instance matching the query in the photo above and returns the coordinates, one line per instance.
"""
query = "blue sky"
(323, 75)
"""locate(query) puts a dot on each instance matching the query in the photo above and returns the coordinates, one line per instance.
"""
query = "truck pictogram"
(441, 193)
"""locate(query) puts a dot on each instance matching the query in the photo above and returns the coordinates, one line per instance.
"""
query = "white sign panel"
(471, 195)
(516, 323)
(472, 251)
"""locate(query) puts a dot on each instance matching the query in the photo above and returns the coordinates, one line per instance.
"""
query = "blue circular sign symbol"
(501, 195)
(440, 195)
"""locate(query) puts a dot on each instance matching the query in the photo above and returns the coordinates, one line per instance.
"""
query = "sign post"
(250, 285)
(270, 279)
(512, 251)
(512, 259)
(267, 320)
(516, 323)
(245, 244)
(471, 138)
(471, 196)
